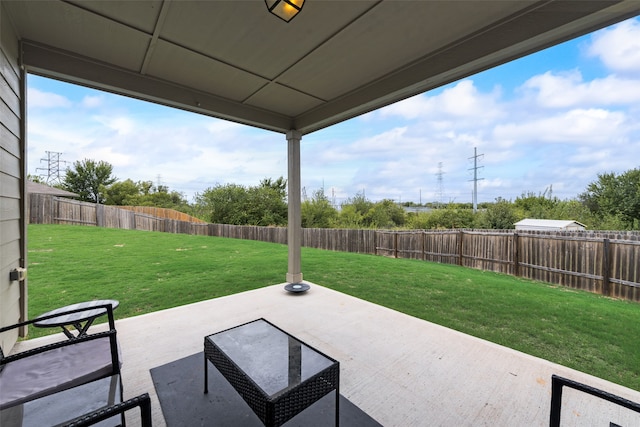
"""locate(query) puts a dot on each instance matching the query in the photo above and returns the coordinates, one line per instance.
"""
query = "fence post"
(99, 215)
(132, 217)
(395, 244)
(57, 211)
(460, 235)
(375, 242)
(605, 267)
(516, 255)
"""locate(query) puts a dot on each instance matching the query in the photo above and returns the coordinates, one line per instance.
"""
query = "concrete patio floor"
(401, 370)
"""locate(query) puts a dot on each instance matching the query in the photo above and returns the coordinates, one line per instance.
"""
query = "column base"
(293, 277)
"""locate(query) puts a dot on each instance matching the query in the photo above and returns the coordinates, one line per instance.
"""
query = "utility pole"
(475, 177)
(53, 168)
(439, 175)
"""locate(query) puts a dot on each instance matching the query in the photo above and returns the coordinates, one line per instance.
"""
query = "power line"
(475, 177)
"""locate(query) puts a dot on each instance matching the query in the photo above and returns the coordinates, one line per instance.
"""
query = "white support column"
(294, 231)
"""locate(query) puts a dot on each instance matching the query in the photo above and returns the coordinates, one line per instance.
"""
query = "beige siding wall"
(12, 231)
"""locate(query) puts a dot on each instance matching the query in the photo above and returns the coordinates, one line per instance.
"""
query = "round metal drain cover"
(297, 287)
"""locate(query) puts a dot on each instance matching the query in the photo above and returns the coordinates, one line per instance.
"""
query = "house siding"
(13, 294)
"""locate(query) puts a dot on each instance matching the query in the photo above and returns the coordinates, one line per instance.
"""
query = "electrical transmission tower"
(440, 187)
(475, 177)
(52, 175)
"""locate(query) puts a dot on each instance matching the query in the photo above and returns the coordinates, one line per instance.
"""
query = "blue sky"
(550, 121)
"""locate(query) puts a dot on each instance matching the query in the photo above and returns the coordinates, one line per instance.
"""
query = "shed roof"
(547, 223)
(36, 188)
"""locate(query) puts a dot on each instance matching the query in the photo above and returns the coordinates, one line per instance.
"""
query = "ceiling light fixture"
(285, 9)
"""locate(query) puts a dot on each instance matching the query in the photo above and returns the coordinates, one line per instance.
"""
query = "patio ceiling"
(336, 60)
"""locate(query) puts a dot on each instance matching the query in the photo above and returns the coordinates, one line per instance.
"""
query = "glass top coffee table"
(275, 373)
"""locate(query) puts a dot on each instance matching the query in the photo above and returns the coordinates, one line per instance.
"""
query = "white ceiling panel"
(139, 14)
(78, 30)
(243, 34)
(283, 100)
(176, 64)
(397, 32)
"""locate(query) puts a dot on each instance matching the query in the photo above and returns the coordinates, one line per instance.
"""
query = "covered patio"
(337, 60)
(235, 61)
(400, 370)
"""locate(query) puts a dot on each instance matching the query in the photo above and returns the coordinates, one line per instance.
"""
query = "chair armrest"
(143, 401)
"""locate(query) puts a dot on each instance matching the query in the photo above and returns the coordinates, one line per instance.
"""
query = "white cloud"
(109, 155)
(565, 90)
(218, 127)
(462, 100)
(40, 99)
(618, 47)
(579, 126)
(381, 145)
(121, 124)
(92, 101)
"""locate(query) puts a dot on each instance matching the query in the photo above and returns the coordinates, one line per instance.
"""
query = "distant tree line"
(611, 202)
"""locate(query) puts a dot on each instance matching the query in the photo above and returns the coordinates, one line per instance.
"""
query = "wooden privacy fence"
(163, 213)
(601, 262)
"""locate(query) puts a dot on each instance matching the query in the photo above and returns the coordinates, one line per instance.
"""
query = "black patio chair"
(70, 382)
(142, 401)
(557, 384)
(55, 367)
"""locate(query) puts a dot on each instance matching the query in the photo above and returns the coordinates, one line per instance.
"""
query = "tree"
(266, 206)
(349, 217)
(224, 204)
(35, 178)
(121, 193)
(279, 185)
(318, 212)
(615, 195)
(235, 204)
(144, 193)
(529, 205)
(574, 209)
(89, 179)
(500, 215)
(354, 211)
(450, 218)
(385, 214)
(163, 198)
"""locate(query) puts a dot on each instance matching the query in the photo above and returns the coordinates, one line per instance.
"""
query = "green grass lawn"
(149, 271)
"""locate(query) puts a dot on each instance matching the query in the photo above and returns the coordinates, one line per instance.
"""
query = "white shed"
(549, 224)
